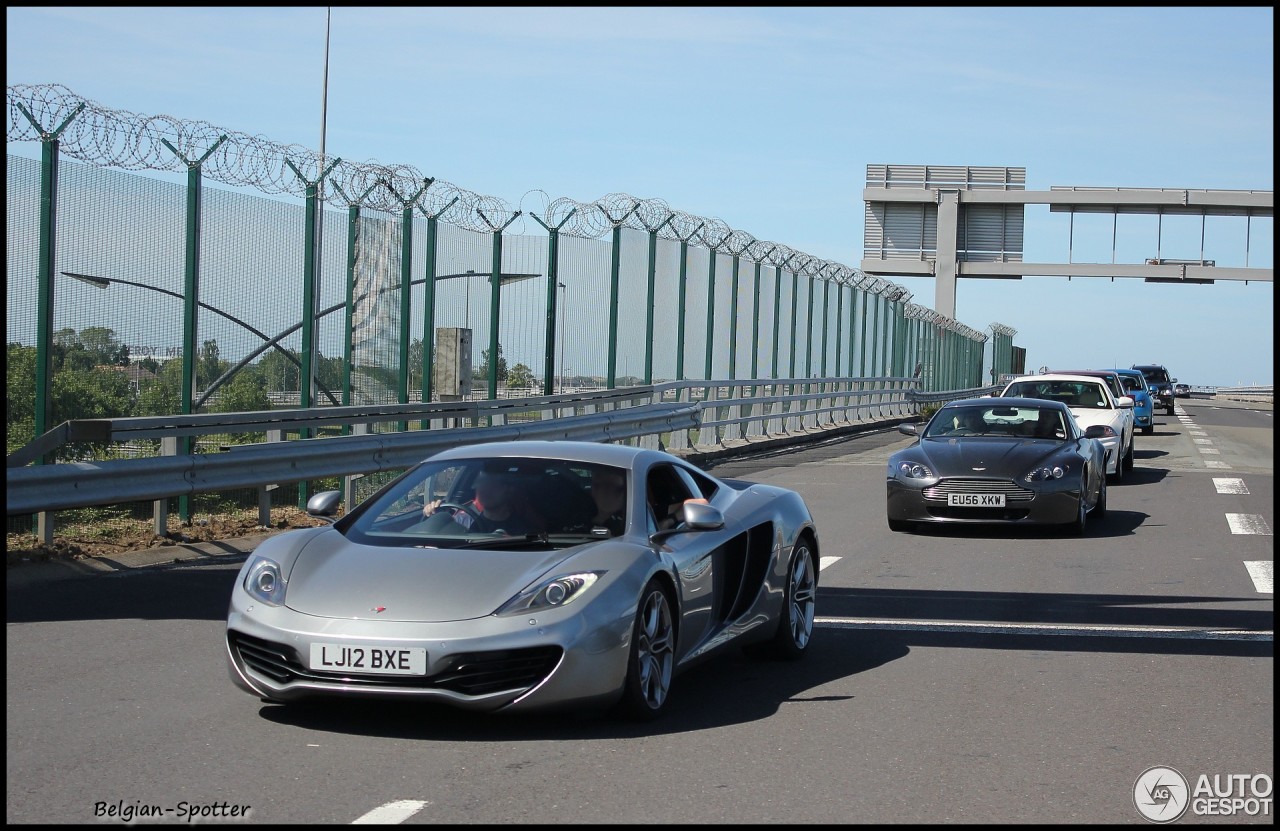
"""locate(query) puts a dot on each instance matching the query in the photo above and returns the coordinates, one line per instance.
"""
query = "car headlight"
(550, 594)
(263, 581)
(1044, 474)
(910, 470)
(1109, 432)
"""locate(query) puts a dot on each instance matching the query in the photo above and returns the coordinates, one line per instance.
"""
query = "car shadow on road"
(729, 689)
(1114, 524)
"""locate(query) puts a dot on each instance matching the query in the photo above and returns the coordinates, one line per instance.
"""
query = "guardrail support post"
(160, 507)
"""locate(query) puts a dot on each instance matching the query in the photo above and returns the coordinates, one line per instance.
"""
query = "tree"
(162, 395)
(209, 367)
(520, 377)
(481, 372)
(279, 374)
(246, 391)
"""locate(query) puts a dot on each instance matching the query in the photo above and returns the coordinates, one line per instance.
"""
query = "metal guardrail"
(675, 416)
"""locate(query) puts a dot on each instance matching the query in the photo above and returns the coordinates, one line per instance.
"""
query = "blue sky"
(765, 118)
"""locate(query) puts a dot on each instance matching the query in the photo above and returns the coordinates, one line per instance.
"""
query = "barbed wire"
(106, 137)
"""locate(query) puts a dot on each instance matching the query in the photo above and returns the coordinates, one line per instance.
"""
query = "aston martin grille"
(1011, 491)
(472, 673)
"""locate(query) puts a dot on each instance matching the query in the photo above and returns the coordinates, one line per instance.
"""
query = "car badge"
(378, 609)
(979, 468)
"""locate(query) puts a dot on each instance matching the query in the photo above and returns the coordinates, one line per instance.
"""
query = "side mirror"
(324, 504)
(1125, 401)
(693, 515)
(909, 429)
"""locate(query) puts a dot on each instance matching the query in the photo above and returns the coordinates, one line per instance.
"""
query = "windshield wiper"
(497, 542)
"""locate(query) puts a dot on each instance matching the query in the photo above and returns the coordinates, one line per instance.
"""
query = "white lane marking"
(823, 562)
(1197, 433)
(1050, 629)
(1212, 450)
(1230, 485)
(1203, 441)
(1263, 574)
(1216, 464)
(393, 813)
(1248, 524)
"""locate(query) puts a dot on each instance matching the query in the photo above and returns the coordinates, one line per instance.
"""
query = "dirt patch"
(118, 537)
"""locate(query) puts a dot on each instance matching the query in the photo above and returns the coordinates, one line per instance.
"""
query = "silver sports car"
(999, 460)
(531, 574)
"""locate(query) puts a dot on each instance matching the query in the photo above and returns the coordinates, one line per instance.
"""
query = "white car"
(1091, 402)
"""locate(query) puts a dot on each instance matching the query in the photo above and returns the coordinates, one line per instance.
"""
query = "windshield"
(998, 421)
(473, 502)
(1091, 394)
(1155, 375)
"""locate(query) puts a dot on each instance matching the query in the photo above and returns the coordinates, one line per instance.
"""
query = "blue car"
(1135, 385)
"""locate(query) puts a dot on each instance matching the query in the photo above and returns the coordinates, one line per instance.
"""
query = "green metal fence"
(136, 294)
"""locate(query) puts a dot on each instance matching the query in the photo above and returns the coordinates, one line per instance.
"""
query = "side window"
(699, 484)
(665, 493)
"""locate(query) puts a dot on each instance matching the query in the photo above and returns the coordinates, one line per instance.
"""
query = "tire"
(1128, 458)
(795, 625)
(1146, 431)
(1100, 510)
(1169, 411)
(651, 661)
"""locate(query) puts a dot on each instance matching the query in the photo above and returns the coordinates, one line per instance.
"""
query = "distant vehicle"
(1015, 461)
(1161, 384)
(1091, 402)
(1181, 391)
(1135, 386)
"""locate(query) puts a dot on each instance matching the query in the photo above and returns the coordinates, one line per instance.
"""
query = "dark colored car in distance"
(1161, 384)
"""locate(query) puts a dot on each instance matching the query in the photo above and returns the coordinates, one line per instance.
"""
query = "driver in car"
(498, 507)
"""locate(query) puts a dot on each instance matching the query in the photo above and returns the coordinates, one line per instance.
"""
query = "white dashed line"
(1263, 574)
(1210, 450)
(1248, 524)
(1230, 486)
(1203, 441)
(393, 813)
(1216, 464)
(823, 562)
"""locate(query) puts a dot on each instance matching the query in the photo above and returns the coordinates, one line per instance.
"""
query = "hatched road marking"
(1263, 574)
(1248, 524)
(1230, 486)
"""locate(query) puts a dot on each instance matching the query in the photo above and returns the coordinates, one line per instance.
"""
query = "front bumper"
(520, 662)
(1051, 504)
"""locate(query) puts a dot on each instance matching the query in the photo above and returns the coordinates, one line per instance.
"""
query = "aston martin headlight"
(913, 470)
(264, 581)
(1044, 474)
(550, 594)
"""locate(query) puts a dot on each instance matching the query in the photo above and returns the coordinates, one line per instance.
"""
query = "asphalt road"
(966, 676)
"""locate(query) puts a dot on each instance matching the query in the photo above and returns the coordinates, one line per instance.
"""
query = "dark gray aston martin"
(999, 460)
(520, 575)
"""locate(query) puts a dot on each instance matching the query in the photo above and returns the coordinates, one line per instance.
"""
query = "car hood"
(333, 577)
(1000, 457)
(1089, 416)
